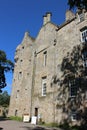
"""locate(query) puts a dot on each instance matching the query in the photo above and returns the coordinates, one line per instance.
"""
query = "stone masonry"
(37, 61)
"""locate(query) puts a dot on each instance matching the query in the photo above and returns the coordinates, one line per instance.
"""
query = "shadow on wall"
(1, 128)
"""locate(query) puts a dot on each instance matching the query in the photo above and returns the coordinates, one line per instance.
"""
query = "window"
(44, 86)
(16, 112)
(19, 75)
(21, 61)
(22, 47)
(84, 56)
(84, 36)
(22, 50)
(81, 17)
(86, 95)
(73, 88)
(45, 58)
(17, 94)
(73, 116)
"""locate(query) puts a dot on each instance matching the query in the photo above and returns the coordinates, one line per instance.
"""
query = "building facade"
(37, 69)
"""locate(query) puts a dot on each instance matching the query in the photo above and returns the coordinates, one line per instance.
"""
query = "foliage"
(4, 99)
(5, 66)
(65, 126)
(81, 4)
(73, 68)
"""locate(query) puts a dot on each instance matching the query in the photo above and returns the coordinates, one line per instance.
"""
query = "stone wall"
(54, 42)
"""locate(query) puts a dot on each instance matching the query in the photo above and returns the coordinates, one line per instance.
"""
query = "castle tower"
(22, 81)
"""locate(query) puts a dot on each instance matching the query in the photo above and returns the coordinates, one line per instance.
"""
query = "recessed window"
(17, 94)
(20, 75)
(44, 86)
(86, 95)
(45, 58)
(84, 34)
(72, 88)
(22, 47)
(84, 57)
(73, 116)
(21, 60)
(16, 112)
(22, 50)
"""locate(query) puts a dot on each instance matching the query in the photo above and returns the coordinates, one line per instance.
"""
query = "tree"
(4, 99)
(80, 4)
(5, 66)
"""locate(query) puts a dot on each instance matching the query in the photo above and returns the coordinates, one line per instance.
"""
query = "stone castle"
(37, 61)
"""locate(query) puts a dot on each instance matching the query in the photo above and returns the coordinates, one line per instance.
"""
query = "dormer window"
(81, 17)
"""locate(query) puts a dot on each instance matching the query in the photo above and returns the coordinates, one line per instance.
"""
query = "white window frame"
(44, 86)
(73, 117)
(84, 35)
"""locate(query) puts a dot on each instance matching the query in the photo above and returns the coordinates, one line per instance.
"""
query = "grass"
(51, 124)
(15, 118)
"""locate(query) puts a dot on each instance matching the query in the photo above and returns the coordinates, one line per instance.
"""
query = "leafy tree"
(5, 66)
(4, 99)
(81, 4)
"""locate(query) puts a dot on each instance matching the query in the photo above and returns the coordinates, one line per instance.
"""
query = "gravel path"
(15, 125)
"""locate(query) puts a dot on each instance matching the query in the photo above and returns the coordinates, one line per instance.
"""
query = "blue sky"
(19, 16)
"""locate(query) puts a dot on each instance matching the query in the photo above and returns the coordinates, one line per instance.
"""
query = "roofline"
(65, 23)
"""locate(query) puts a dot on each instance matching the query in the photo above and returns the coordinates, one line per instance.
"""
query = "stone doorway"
(36, 112)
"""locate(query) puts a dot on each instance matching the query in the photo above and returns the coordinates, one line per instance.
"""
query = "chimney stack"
(47, 18)
(69, 15)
